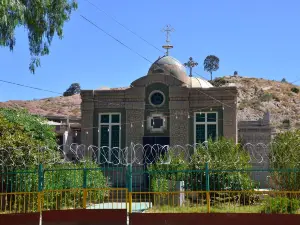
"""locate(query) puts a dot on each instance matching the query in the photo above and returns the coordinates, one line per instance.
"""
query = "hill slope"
(56, 106)
(255, 96)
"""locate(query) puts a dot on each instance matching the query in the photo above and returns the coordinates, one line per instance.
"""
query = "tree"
(42, 19)
(283, 80)
(25, 142)
(22, 135)
(73, 89)
(33, 125)
(211, 63)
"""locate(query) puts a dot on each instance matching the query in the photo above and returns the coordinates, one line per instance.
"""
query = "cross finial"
(190, 64)
(168, 29)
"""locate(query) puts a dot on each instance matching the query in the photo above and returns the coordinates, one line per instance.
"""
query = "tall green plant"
(165, 173)
(33, 125)
(62, 185)
(225, 159)
(285, 160)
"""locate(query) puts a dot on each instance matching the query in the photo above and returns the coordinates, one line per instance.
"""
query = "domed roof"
(168, 65)
(197, 82)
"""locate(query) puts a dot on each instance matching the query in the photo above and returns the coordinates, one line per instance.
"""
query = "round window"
(157, 98)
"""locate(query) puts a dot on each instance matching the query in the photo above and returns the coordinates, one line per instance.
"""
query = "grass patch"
(203, 209)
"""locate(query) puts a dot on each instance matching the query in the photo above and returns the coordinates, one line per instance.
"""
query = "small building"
(166, 107)
(68, 130)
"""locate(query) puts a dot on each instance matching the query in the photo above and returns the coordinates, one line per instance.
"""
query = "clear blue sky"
(258, 38)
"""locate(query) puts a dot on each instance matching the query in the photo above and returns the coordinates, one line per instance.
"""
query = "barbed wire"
(135, 154)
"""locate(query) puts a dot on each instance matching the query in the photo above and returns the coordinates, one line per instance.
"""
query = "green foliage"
(71, 176)
(285, 150)
(295, 90)
(23, 136)
(31, 125)
(266, 97)
(19, 149)
(73, 89)
(224, 157)
(222, 154)
(62, 177)
(283, 80)
(281, 205)
(219, 82)
(42, 19)
(163, 177)
(211, 63)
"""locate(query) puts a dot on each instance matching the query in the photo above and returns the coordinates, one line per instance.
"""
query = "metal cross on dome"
(190, 64)
(168, 29)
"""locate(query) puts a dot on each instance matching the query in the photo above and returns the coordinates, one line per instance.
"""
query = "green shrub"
(224, 157)
(21, 136)
(266, 97)
(281, 205)
(219, 82)
(34, 126)
(163, 176)
(61, 184)
(295, 90)
(285, 152)
(283, 80)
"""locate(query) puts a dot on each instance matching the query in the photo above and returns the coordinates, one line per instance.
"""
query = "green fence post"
(207, 186)
(129, 186)
(207, 176)
(40, 186)
(40, 178)
(84, 185)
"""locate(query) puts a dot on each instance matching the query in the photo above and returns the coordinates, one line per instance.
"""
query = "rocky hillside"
(255, 96)
(57, 106)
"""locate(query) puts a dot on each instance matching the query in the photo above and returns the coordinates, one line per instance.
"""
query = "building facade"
(165, 107)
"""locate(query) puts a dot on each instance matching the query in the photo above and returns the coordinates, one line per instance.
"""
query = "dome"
(197, 82)
(168, 65)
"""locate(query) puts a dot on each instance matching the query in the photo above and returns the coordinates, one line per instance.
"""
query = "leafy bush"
(163, 177)
(285, 152)
(266, 97)
(62, 183)
(219, 82)
(34, 126)
(19, 148)
(281, 205)
(72, 177)
(224, 157)
(295, 90)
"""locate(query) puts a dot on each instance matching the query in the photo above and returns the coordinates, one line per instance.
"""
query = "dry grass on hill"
(256, 96)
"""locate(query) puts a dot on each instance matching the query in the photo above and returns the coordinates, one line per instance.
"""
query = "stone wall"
(87, 112)
(255, 136)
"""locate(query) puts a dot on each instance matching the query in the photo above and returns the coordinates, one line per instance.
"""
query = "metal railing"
(218, 202)
(81, 198)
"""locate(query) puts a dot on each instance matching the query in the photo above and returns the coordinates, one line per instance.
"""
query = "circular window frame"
(154, 92)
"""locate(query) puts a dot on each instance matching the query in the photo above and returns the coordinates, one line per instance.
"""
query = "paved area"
(136, 206)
